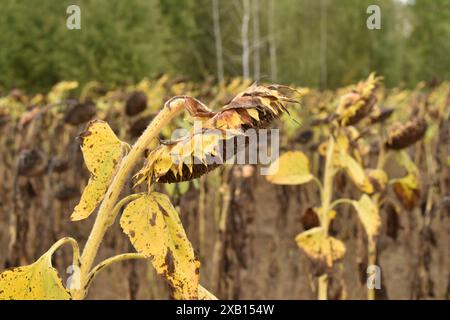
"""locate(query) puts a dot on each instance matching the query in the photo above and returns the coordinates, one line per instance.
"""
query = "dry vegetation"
(363, 179)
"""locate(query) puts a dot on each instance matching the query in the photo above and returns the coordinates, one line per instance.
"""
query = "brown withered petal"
(401, 136)
(32, 162)
(136, 103)
(80, 113)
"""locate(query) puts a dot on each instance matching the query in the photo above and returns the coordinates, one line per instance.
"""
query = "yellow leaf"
(37, 281)
(155, 230)
(321, 249)
(355, 172)
(102, 152)
(291, 168)
(368, 215)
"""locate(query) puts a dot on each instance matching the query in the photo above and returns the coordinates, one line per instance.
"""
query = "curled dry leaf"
(291, 168)
(37, 281)
(378, 178)
(217, 141)
(407, 190)
(102, 152)
(323, 250)
(401, 135)
(356, 105)
(155, 230)
(369, 216)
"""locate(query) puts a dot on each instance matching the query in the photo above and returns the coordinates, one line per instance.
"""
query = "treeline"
(318, 43)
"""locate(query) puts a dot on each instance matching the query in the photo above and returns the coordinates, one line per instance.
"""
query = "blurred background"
(322, 44)
(131, 56)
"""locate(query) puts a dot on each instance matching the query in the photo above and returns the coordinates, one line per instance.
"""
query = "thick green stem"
(106, 212)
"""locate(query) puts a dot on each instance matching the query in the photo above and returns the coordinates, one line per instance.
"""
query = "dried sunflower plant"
(148, 218)
(343, 151)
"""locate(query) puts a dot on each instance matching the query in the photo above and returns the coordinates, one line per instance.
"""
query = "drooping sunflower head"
(219, 137)
(402, 135)
(356, 105)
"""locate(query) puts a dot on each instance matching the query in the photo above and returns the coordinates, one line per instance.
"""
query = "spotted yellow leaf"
(37, 281)
(368, 215)
(321, 249)
(155, 230)
(291, 168)
(102, 152)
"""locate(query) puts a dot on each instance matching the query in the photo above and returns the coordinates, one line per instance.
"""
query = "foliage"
(325, 150)
(318, 43)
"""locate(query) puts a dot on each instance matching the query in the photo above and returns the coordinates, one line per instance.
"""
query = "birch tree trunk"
(273, 47)
(218, 39)
(256, 41)
(245, 39)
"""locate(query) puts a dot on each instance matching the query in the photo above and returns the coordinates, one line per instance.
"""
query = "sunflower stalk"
(106, 212)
